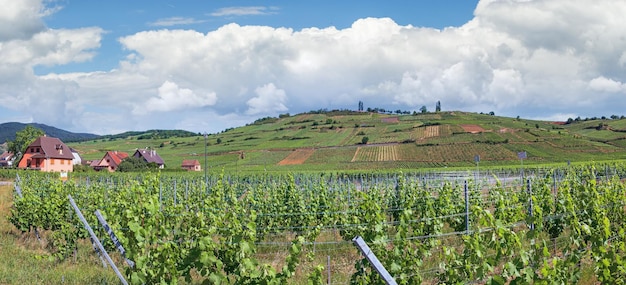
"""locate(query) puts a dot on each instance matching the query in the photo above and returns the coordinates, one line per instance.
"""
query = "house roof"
(6, 155)
(116, 156)
(190, 162)
(149, 155)
(50, 147)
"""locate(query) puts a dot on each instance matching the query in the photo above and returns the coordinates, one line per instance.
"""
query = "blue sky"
(106, 67)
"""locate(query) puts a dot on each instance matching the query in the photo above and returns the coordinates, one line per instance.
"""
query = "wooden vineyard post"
(530, 202)
(328, 266)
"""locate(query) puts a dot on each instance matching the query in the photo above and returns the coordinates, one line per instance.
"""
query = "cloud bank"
(535, 59)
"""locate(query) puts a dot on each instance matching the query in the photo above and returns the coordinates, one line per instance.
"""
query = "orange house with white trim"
(47, 154)
(110, 161)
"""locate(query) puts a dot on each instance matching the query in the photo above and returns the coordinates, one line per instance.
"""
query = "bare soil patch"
(298, 156)
(474, 129)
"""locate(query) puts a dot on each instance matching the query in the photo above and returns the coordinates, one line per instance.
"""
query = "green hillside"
(334, 141)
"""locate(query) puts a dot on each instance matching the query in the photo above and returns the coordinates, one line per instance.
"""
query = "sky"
(107, 67)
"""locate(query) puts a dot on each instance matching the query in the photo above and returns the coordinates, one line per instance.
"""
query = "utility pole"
(205, 159)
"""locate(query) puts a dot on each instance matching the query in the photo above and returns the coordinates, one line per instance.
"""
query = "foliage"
(132, 163)
(535, 231)
(22, 139)
(83, 168)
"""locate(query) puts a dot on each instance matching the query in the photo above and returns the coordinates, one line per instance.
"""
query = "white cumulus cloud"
(515, 57)
(606, 85)
(171, 97)
(269, 100)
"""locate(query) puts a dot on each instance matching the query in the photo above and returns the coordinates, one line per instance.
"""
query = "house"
(149, 156)
(47, 154)
(6, 159)
(110, 161)
(77, 159)
(191, 165)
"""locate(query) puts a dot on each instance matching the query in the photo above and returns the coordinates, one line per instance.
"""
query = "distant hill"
(152, 134)
(344, 140)
(8, 130)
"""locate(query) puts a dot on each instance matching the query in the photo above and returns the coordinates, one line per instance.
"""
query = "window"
(62, 161)
(52, 161)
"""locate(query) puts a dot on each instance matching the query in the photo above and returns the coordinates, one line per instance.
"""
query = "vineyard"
(459, 152)
(376, 153)
(426, 132)
(533, 226)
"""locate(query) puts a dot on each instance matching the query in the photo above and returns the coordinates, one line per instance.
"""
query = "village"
(50, 154)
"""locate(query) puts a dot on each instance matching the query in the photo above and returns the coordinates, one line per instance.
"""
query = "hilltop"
(8, 130)
(348, 140)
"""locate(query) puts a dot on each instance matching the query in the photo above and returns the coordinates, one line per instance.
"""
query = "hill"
(151, 134)
(8, 130)
(346, 140)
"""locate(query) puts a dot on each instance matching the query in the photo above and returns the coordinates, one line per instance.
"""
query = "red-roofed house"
(110, 161)
(6, 159)
(191, 165)
(47, 154)
(149, 156)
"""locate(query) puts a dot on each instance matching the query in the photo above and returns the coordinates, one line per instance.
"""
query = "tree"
(364, 140)
(423, 109)
(22, 139)
(438, 107)
(135, 164)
